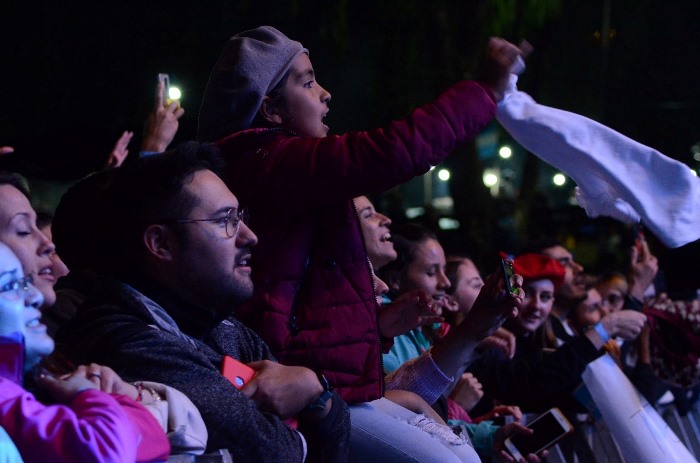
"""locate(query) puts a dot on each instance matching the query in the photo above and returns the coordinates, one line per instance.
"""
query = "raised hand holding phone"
(162, 122)
(508, 272)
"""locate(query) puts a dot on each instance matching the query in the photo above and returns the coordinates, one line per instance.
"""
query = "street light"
(444, 175)
(559, 179)
(490, 179)
(505, 152)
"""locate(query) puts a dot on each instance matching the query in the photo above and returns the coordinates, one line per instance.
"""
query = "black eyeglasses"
(16, 288)
(231, 222)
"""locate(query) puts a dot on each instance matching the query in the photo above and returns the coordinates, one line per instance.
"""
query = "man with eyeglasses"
(574, 291)
(160, 257)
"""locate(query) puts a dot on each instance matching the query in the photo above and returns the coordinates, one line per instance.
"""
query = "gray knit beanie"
(250, 66)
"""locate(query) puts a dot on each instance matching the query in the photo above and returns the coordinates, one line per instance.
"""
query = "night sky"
(74, 77)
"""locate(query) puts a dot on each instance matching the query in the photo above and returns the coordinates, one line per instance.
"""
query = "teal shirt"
(482, 435)
(409, 346)
(406, 347)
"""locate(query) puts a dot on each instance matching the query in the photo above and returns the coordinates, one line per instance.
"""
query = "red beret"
(539, 267)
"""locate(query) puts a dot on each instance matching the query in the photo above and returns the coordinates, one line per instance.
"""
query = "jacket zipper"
(374, 293)
(293, 322)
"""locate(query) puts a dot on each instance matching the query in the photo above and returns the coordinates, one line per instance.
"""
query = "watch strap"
(320, 403)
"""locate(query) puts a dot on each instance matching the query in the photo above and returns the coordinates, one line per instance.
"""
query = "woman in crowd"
(420, 266)
(28, 236)
(465, 286)
(536, 379)
(18, 230)
(84, 424)
(43, 222)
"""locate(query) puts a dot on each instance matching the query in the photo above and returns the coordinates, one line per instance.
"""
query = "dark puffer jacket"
(314, 299)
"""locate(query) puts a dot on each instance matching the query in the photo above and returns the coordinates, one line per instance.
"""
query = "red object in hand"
(238, 373)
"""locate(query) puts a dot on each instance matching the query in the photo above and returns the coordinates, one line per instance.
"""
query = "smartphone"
(507, 268)
(165, 80)
(549, 428)
(238, 373)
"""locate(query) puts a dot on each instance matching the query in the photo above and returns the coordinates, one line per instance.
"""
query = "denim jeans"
(380, 431)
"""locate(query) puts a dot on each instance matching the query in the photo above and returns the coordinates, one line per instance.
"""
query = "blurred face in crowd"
(590, 311)
(375, 229)
(19, 309)
(467, 286)
(58, 268)
(574, 286)
(19, 232)
(426, 271)
(213, 268)
(536, 305)
(612, 292)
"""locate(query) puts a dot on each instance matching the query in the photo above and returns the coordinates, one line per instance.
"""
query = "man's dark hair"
(100, 221)
(540, 244)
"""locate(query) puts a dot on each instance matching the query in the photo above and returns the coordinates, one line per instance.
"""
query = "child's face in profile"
(306, 102)
(19, 309)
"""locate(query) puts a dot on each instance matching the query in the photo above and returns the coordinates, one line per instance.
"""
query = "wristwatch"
(320, 403)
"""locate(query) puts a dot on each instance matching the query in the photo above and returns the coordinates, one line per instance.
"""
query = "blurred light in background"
(490, 178)
(413, 212)
(559, 179)
(448, 223)
(505, 152)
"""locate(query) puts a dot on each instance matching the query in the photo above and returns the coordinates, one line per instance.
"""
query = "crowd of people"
(258, 245)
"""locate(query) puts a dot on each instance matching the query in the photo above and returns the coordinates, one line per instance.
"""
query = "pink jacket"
(94, 427)
(314, 297)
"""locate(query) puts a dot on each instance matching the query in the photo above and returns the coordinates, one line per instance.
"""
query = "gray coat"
(118, 326)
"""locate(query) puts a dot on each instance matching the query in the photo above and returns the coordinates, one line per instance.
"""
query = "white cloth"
(179, 418)
(641, 434)
(8, 451)
(616, 176)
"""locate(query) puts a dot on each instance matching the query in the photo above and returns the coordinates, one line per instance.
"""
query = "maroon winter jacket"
(314, 298)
